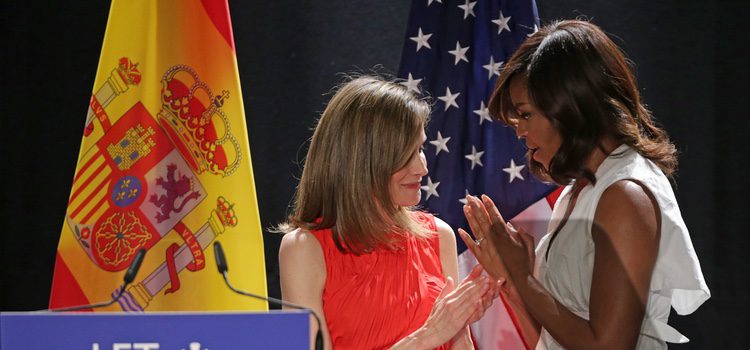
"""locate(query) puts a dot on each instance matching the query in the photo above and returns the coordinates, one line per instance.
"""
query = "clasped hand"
(505, 252)
(457, 307)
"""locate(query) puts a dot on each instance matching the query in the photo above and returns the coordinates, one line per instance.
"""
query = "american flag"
(454, 51)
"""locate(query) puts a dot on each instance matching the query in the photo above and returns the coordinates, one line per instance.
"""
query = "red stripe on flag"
(88, 199)
(65, 289)
(552, 197)
(514, 319)
(218, 12)
(86, 183)
(93, 210)
(86, 166)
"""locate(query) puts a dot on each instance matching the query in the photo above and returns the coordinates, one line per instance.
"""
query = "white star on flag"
(475, 157)
(421, 40)
(463, 199)
(441, 143)
(412, 84)
(514, 171)
(536, 29)
(459, 53)
(429, 2)
(468, 8)
(449, 99)
(431, 188)
(483, 113)
(493, 68)
(502, 22)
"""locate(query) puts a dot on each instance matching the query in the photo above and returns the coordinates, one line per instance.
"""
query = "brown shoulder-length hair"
(582, 82)
(369, 130)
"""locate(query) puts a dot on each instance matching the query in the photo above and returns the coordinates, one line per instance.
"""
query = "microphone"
(129, 277)
(221, 264)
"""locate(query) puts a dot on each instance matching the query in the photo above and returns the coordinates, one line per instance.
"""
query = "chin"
(409, 202)
(543, 162)
(416, 200)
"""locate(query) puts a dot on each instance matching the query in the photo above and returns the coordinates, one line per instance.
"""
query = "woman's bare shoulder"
(301, 243)
(444, 231)
(629, 207)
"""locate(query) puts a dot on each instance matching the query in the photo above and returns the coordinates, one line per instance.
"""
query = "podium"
(155, 330)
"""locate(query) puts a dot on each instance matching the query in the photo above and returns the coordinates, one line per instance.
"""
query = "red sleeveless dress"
(371, 301)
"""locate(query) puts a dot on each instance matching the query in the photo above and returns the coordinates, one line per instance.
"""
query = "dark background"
(690, 59)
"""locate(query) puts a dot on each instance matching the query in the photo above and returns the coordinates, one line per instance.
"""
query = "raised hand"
(521, 236)
(480, 225)
(509, 252)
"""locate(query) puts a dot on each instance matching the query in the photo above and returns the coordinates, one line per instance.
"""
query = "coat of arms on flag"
(164, 165)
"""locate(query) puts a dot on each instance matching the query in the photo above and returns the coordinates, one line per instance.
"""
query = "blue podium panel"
(155, 331)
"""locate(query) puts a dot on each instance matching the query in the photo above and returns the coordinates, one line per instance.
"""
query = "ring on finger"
(479, 242)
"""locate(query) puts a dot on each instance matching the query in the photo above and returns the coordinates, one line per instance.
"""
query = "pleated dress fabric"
(373, 300)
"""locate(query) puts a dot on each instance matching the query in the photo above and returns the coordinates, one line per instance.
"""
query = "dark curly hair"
(581, 81)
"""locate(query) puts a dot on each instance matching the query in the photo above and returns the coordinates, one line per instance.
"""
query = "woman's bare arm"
(626, 238)
(302, 275)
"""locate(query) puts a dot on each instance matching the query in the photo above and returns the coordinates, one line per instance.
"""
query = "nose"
(521, 129)
(419, 166)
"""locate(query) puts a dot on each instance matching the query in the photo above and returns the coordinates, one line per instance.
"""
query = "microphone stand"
(221, 264)
(135, 265)
(93, 306)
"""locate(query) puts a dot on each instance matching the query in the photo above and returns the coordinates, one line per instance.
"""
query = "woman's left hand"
(462, 340)
(510, 252)
(488, 297)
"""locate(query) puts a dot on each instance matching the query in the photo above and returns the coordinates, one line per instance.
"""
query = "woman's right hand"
(481, 248)
(500, 248)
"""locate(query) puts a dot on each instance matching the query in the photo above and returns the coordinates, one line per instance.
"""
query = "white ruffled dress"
(677, 280)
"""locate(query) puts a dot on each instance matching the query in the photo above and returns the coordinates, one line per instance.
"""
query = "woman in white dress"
(617, 254)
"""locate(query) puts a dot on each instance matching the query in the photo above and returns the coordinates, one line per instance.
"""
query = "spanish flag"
(164, 165)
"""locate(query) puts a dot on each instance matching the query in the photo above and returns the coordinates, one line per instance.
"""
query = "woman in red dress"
(379, 273)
